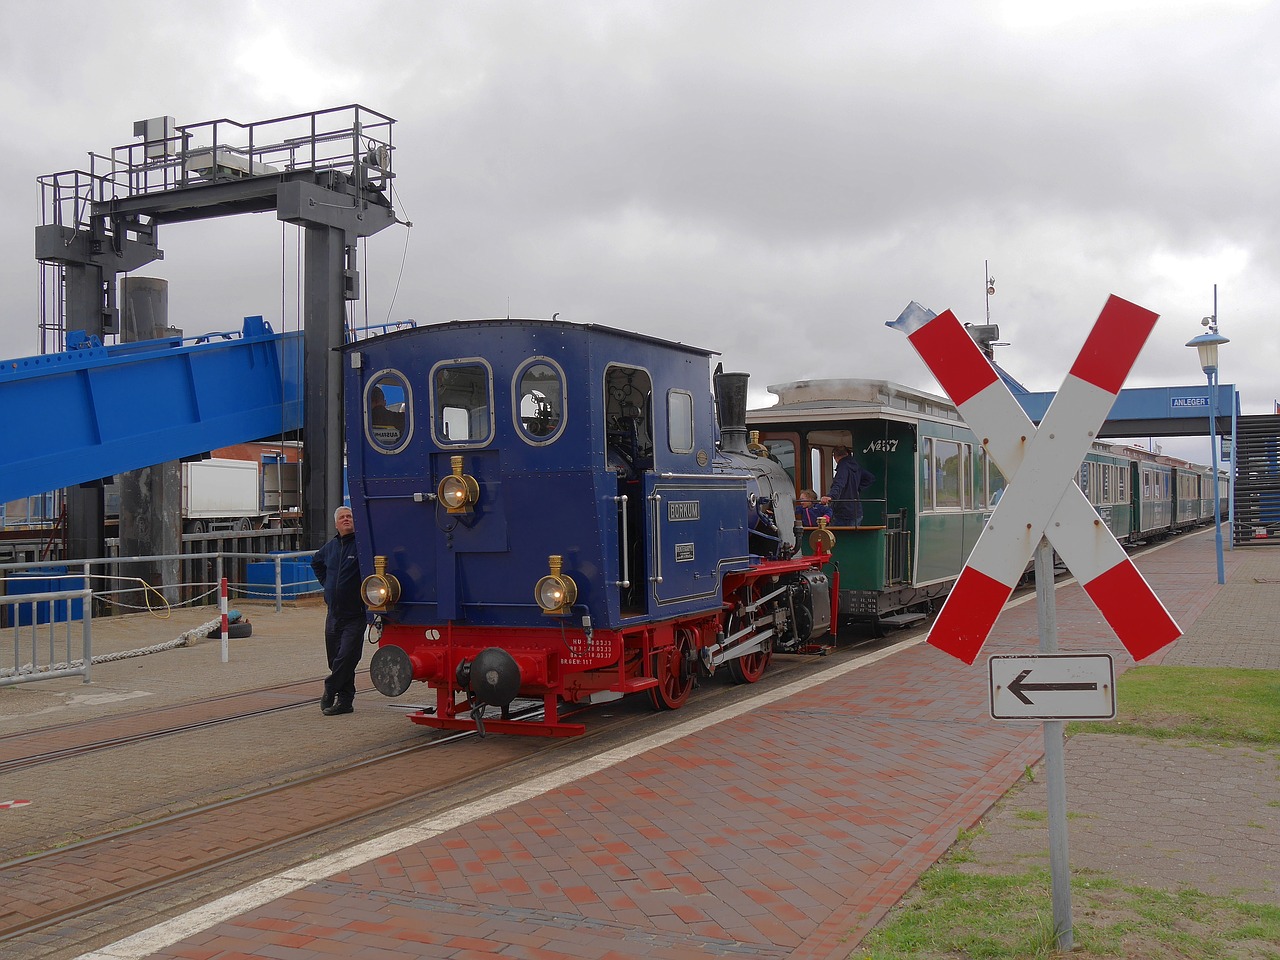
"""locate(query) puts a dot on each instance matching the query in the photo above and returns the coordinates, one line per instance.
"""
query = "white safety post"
(222, 607)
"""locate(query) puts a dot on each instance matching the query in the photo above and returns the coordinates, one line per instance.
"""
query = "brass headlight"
(459, 491)
(822, 540)
(379, 590)
(555, 593)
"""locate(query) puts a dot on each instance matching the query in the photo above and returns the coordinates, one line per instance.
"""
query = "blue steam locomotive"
(554, 511)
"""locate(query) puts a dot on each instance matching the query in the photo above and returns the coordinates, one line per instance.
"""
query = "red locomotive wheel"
(675, 679)
(750, 668)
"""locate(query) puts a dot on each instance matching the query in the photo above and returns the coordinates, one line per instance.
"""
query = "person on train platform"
(338, 570)
(845, 493)
(809, 510)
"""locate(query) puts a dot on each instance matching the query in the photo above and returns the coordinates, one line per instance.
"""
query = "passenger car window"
(950, 467)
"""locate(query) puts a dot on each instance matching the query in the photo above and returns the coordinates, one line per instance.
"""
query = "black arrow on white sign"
(1017, 686)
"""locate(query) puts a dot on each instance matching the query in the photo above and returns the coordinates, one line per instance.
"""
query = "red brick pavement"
(786, 832)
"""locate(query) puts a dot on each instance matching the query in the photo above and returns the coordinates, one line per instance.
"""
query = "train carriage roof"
(552, 324)
(803, 399)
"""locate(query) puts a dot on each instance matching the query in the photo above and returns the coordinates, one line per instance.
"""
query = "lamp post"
(1207, 345)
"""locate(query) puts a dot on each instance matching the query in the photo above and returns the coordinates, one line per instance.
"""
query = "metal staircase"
(1257, 480)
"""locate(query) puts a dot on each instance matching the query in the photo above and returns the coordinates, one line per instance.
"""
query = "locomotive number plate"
(684, 509)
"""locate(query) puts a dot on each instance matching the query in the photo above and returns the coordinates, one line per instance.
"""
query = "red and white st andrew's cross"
(1040, 467)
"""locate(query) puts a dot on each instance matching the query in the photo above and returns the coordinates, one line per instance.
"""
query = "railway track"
(162, 856)
(78, 738)
(80, 878)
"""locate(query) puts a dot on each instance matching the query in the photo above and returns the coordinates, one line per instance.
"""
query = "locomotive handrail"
(625, 582)
(656, 499)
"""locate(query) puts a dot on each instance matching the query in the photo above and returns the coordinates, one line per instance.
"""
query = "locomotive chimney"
(731, 406)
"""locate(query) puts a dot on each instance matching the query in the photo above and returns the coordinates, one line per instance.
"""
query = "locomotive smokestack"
(731, 406)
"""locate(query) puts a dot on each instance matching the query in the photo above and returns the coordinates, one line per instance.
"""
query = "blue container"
(296, 579)
(45, 580)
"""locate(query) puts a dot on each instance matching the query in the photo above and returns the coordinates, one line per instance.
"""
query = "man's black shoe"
(338, 708)
(326, 701)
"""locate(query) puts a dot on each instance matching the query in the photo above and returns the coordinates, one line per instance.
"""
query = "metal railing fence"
(45, 604)
(35, 616)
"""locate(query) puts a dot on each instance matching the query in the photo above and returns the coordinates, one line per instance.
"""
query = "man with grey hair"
(338, 570)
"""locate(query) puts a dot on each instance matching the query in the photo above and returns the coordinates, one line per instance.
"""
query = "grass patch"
(1205, 704)
(959, 912)
(954, 914)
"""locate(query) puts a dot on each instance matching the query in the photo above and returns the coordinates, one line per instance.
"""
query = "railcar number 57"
(881, 446)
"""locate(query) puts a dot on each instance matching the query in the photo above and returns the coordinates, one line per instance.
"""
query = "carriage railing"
(897, 549)
(873, 511)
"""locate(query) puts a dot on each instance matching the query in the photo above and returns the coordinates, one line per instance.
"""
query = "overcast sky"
(770, 180)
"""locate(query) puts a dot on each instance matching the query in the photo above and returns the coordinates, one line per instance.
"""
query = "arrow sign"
(1019, 687)
(1053, 687)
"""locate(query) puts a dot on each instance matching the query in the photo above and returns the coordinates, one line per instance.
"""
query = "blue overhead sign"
(1152, 411)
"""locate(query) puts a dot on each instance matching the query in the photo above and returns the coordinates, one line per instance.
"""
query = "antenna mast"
(990, 283)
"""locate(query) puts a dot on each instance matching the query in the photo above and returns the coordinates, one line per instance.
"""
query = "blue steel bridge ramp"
(94, 411)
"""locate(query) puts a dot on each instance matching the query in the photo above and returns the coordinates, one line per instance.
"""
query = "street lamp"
(1207, 346)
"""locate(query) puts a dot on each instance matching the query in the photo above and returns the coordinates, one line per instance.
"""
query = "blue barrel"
(46, 580)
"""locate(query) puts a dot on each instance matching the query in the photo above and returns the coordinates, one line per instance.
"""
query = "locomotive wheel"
(750, 668)
(675, 679)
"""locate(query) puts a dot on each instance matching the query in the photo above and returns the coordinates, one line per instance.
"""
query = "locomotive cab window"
(539, 395)
(680, 421)
(386, 411)
(628, 411)
(462, 403)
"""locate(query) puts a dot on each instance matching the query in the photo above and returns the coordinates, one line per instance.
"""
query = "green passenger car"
(1106, 480)
(932, 492)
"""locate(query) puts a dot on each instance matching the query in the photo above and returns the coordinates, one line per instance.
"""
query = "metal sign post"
(1054, 757)
(1042, 503)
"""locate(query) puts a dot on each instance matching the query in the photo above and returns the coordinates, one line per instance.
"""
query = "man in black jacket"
(845, 492)
(338, 570)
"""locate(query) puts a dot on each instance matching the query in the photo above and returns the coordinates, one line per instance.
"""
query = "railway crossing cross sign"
(1040, 466)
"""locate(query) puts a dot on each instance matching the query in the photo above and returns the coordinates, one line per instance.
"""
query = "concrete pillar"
(324, 306)
(151, 497)
(86, 537)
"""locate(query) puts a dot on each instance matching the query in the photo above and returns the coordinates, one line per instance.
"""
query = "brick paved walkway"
(786, 832)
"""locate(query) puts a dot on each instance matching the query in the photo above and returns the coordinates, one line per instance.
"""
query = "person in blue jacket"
(338, 571)
(809, 510)
(845, 492)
